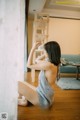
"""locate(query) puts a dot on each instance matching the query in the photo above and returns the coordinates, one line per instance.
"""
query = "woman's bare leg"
(29, 92)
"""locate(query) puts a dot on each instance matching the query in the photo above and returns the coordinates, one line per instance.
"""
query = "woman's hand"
(36, 45)
(40, 58)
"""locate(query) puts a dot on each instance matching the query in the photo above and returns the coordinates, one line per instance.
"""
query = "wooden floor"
(66, 106)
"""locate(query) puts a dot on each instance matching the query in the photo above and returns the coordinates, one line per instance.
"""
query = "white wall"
(11, 54)
(67, 33)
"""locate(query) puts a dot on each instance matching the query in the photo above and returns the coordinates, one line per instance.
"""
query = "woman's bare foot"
(22, 101)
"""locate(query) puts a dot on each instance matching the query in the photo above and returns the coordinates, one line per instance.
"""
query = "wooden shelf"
(40, 33)
(43, 20)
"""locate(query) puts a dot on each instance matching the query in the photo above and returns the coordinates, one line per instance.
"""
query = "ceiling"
(63, 4)
(57, 8)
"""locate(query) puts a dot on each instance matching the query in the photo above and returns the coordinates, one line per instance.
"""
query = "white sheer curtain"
(12, 21)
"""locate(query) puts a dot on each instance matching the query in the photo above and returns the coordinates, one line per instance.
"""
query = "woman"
(48, 65)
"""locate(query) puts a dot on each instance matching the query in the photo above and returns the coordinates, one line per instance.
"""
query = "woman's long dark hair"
(54, 52)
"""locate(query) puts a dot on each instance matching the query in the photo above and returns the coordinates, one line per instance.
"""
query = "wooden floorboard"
(66, 106)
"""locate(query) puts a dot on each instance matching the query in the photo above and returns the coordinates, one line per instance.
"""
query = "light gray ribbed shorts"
(44, 103)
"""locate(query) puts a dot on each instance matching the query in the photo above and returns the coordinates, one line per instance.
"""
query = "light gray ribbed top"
(44, 89)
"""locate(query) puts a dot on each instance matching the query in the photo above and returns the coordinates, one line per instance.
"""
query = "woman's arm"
(41, 65)
(30, 58)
